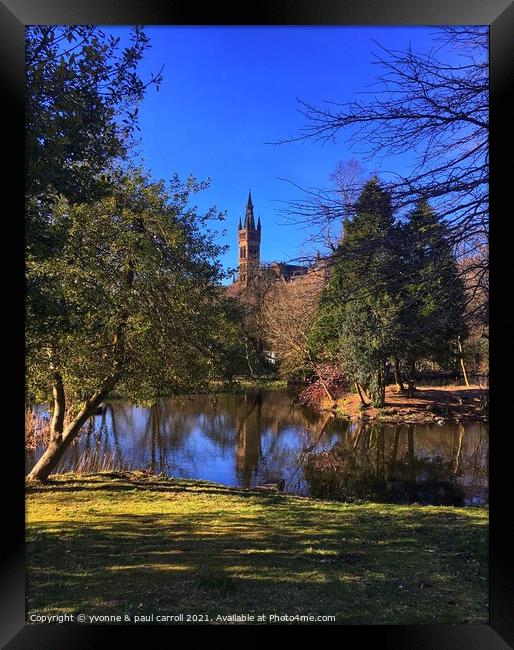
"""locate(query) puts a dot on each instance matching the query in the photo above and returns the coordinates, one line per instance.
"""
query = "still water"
(249, 439)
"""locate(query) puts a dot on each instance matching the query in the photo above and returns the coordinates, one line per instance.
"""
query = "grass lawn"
(129, 543)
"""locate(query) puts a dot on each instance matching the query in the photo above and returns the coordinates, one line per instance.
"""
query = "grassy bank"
(130, 543)
(237, 385)
(243, 384)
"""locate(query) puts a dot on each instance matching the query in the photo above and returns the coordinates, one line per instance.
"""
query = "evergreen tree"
(357, 324)
(431, 292)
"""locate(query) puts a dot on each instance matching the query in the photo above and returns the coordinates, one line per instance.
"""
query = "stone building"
(249, 259)
(261, 289)
(249, 237)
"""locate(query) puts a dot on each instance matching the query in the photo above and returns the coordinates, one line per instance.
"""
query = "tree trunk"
(60, 442)
(247, 354)
(378, 397)
(462, 362)
(57, 424)
(357, 386)
(382, 388)
(58, 446)
(398, 375)
(411, 381)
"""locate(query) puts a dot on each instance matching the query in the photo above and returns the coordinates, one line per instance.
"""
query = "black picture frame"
(499, 15)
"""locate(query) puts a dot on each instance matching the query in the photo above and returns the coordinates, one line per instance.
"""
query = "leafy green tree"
(81, 106)
(431, 290)
(357, 323)
(129, 299)
(81, 100)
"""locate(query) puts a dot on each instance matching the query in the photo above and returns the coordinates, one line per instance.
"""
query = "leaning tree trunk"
(57, 424)
(357, 386)
(461, 354)
(59, 444)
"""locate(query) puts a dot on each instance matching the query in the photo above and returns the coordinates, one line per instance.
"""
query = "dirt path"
(429, 404)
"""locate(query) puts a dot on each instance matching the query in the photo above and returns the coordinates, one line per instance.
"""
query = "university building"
(249, 253)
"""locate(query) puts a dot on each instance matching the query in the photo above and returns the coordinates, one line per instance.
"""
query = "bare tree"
(252, 300)
(324, 210)
(288, 316)
(433, 106)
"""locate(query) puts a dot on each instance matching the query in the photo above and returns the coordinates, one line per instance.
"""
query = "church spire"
(249, 239)
(239, 226)
(249, 218)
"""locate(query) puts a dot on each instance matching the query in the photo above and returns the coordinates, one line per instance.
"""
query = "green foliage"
(81, 96)
(431, 291)
(121, 282)
(394, 292)
(356, 324)
(132, 291)
(81, 106)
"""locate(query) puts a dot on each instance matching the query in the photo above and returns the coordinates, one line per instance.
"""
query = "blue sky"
(229, 91)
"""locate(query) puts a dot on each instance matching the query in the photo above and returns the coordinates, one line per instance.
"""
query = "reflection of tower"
(248, 442)
(249, 245)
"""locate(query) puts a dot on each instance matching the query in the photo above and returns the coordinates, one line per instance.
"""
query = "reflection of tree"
(459, 450)
(317, 437)
(219, 419)
(117, 447)
(383, 463)
(394, 451)
(267, 416)
(268, 435)
(248, 440)
(411, 464)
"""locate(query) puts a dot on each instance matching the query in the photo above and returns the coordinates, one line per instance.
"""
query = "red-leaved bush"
(329, 378)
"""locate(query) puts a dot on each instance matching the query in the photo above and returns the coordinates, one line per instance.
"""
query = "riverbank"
(430, 404)
(235, 386)
(244, 384)
(137, 544)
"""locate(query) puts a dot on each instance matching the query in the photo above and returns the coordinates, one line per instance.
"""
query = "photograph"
(256, 327)
(257, 324)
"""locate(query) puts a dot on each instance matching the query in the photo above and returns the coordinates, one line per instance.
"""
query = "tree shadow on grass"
(99, 483)
(359, 563)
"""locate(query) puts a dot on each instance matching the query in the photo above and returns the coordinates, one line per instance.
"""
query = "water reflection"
(403, 464)
(246, 440)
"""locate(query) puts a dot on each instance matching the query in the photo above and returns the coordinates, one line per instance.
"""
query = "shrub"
(330, 378)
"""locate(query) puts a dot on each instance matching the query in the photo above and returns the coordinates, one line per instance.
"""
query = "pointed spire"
(259, 223)
(239, 226)
(249, 220)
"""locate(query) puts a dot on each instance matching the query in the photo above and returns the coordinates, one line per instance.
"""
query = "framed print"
(257, 392)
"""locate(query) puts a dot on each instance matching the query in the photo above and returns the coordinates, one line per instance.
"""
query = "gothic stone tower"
(249, 245)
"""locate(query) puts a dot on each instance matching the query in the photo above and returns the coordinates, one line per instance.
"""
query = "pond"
(249, 439)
